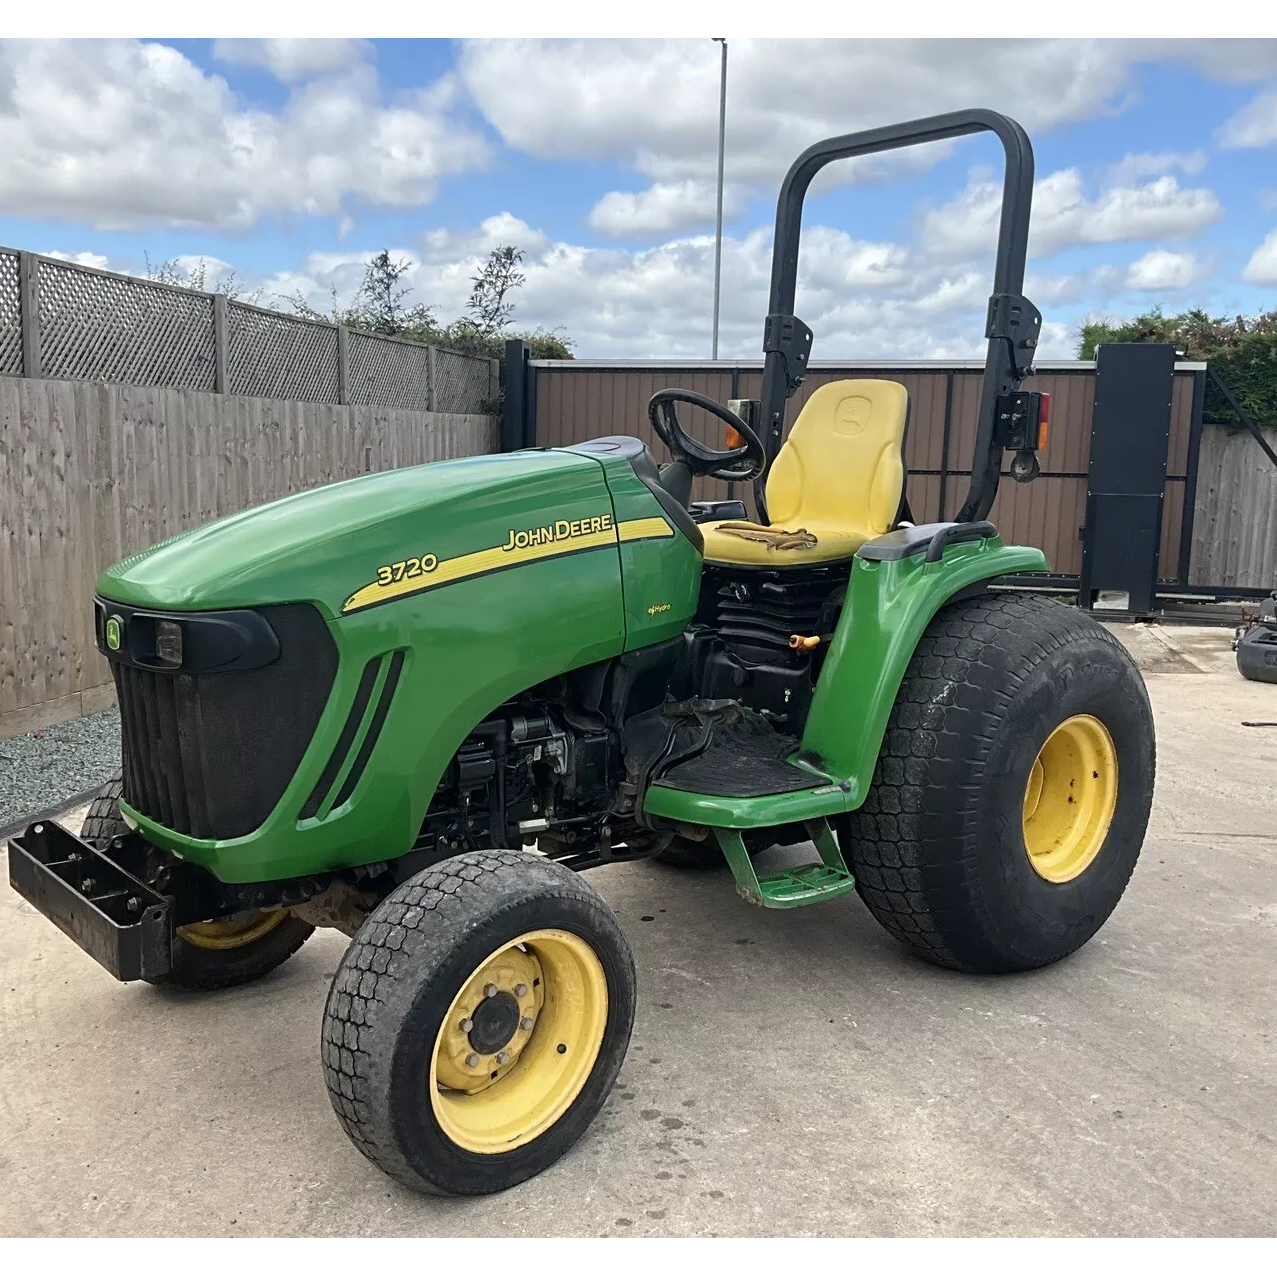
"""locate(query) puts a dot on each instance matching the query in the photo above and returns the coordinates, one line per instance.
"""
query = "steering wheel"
(735, 465)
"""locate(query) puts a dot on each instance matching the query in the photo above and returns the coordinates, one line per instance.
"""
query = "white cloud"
(1064, 217)
(1254, 125)
(663, 207)
(80, 259)
(291, 60)
(1160, 269)
(654, 104)
(1262, 267)
(121, 134)
(1134, 166)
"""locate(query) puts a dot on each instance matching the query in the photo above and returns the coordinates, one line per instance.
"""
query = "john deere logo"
(113, 633)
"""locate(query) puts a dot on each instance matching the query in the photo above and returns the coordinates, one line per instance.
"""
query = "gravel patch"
(42, 769)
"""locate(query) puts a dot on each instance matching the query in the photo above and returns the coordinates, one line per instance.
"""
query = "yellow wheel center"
(233, 932)
(491, 1092)
(1069, 798)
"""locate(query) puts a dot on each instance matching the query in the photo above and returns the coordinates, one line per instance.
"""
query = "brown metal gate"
(570, 401)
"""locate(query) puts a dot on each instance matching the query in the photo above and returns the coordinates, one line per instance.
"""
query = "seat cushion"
(839, 478)
(733, 541)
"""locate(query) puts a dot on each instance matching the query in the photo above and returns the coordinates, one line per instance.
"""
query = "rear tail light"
(1044, 418)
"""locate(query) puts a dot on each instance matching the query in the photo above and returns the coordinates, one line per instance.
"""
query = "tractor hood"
(328, 544)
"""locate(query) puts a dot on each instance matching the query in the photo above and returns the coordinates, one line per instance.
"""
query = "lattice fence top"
(390, 374)
(10, 316)
(461, 382)
(94, 325)
(276, 356)
(97, 327)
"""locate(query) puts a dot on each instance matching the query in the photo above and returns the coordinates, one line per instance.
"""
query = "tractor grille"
(209, 755)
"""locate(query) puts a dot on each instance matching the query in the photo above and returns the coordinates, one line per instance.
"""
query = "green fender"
(888, 607)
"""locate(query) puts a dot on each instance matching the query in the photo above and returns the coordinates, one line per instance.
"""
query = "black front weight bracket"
(123, 905)
(114, 917)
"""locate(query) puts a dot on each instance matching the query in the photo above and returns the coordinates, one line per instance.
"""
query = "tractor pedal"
(789, 888)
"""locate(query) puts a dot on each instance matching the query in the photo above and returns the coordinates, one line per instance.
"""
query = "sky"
(291, 161)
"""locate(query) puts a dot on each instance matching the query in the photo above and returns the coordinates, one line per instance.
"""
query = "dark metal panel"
(1127, 477)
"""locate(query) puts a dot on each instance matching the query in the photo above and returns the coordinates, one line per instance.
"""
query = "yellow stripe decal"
(413, 576)
(645, 529)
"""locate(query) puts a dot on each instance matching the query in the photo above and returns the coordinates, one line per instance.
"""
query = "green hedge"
(1242, 351)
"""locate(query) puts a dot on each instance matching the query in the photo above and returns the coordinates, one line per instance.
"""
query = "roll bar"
(1013, 326)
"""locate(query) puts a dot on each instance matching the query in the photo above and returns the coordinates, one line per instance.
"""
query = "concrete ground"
(790, 1073)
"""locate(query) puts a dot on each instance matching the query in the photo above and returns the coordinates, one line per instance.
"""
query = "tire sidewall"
(420, 1139)
(1038, 919)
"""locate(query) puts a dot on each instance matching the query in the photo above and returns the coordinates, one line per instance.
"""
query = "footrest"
(798, 885)
(803, 884)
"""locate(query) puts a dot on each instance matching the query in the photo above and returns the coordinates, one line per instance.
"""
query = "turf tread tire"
(397, 980)
(987, 673)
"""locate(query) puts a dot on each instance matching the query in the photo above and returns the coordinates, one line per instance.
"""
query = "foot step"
(801, 884)
(798, 885)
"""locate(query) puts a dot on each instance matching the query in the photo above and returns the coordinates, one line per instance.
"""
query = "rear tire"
(206, 956)
(940, 848)
(488, 954)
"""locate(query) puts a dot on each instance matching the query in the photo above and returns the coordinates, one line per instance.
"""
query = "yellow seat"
(839, 477)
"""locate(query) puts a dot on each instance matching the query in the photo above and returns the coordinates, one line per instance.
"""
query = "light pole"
(718, 227)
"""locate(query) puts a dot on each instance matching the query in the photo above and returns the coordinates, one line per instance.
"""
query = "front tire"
(477, 1022)
(1013, 788)
(206, 955)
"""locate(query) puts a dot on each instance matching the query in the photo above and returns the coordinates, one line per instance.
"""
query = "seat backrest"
(843, 463)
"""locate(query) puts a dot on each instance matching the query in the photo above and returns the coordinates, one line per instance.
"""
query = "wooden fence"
(90, 473)
(1235, 528)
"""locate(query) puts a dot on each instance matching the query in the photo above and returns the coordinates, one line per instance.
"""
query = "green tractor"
(361, 706)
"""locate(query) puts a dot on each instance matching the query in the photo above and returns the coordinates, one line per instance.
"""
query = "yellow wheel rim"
(1069, 798)
(492, 1093)
(233, 932)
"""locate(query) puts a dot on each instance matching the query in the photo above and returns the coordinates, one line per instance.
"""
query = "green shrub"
(1241, 350)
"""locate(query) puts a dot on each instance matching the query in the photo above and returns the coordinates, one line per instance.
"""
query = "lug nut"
(472, 1060)
(526, 1023)
(503, 1057)
(489, 990)
(466, 1025)
(520, 990)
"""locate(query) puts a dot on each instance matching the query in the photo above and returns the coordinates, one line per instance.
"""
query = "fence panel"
(1235, 526)
(100, 327)
(461, 382)
(10, 316)
(90, 473)
(393, 374)
(94, 325)
(275, 356)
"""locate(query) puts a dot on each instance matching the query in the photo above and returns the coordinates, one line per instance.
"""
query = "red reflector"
(734, 438)
(1044, 419)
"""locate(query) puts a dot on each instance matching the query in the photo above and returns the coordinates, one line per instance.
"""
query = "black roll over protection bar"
(1013, 326)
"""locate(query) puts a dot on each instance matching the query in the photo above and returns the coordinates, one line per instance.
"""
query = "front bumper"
(120, 922)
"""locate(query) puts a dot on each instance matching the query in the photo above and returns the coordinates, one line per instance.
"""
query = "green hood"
(324, 544)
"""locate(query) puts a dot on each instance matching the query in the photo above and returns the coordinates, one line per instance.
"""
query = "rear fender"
(888, 607)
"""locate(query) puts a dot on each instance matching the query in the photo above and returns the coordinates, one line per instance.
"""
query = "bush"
(1241, 350)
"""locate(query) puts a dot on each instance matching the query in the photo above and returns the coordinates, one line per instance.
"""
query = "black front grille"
(209, 755)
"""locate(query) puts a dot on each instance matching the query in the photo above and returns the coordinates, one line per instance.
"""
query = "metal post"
(432, 376)
(718, 228)
(221, 333)
(517, 430)
(29, 307)
(343, 364)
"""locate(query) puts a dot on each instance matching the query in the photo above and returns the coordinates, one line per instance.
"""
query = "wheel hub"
(1070, 798)
(518, 1042)
(496, 1020)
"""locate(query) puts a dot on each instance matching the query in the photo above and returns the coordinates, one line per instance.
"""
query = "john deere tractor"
(413, 705)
